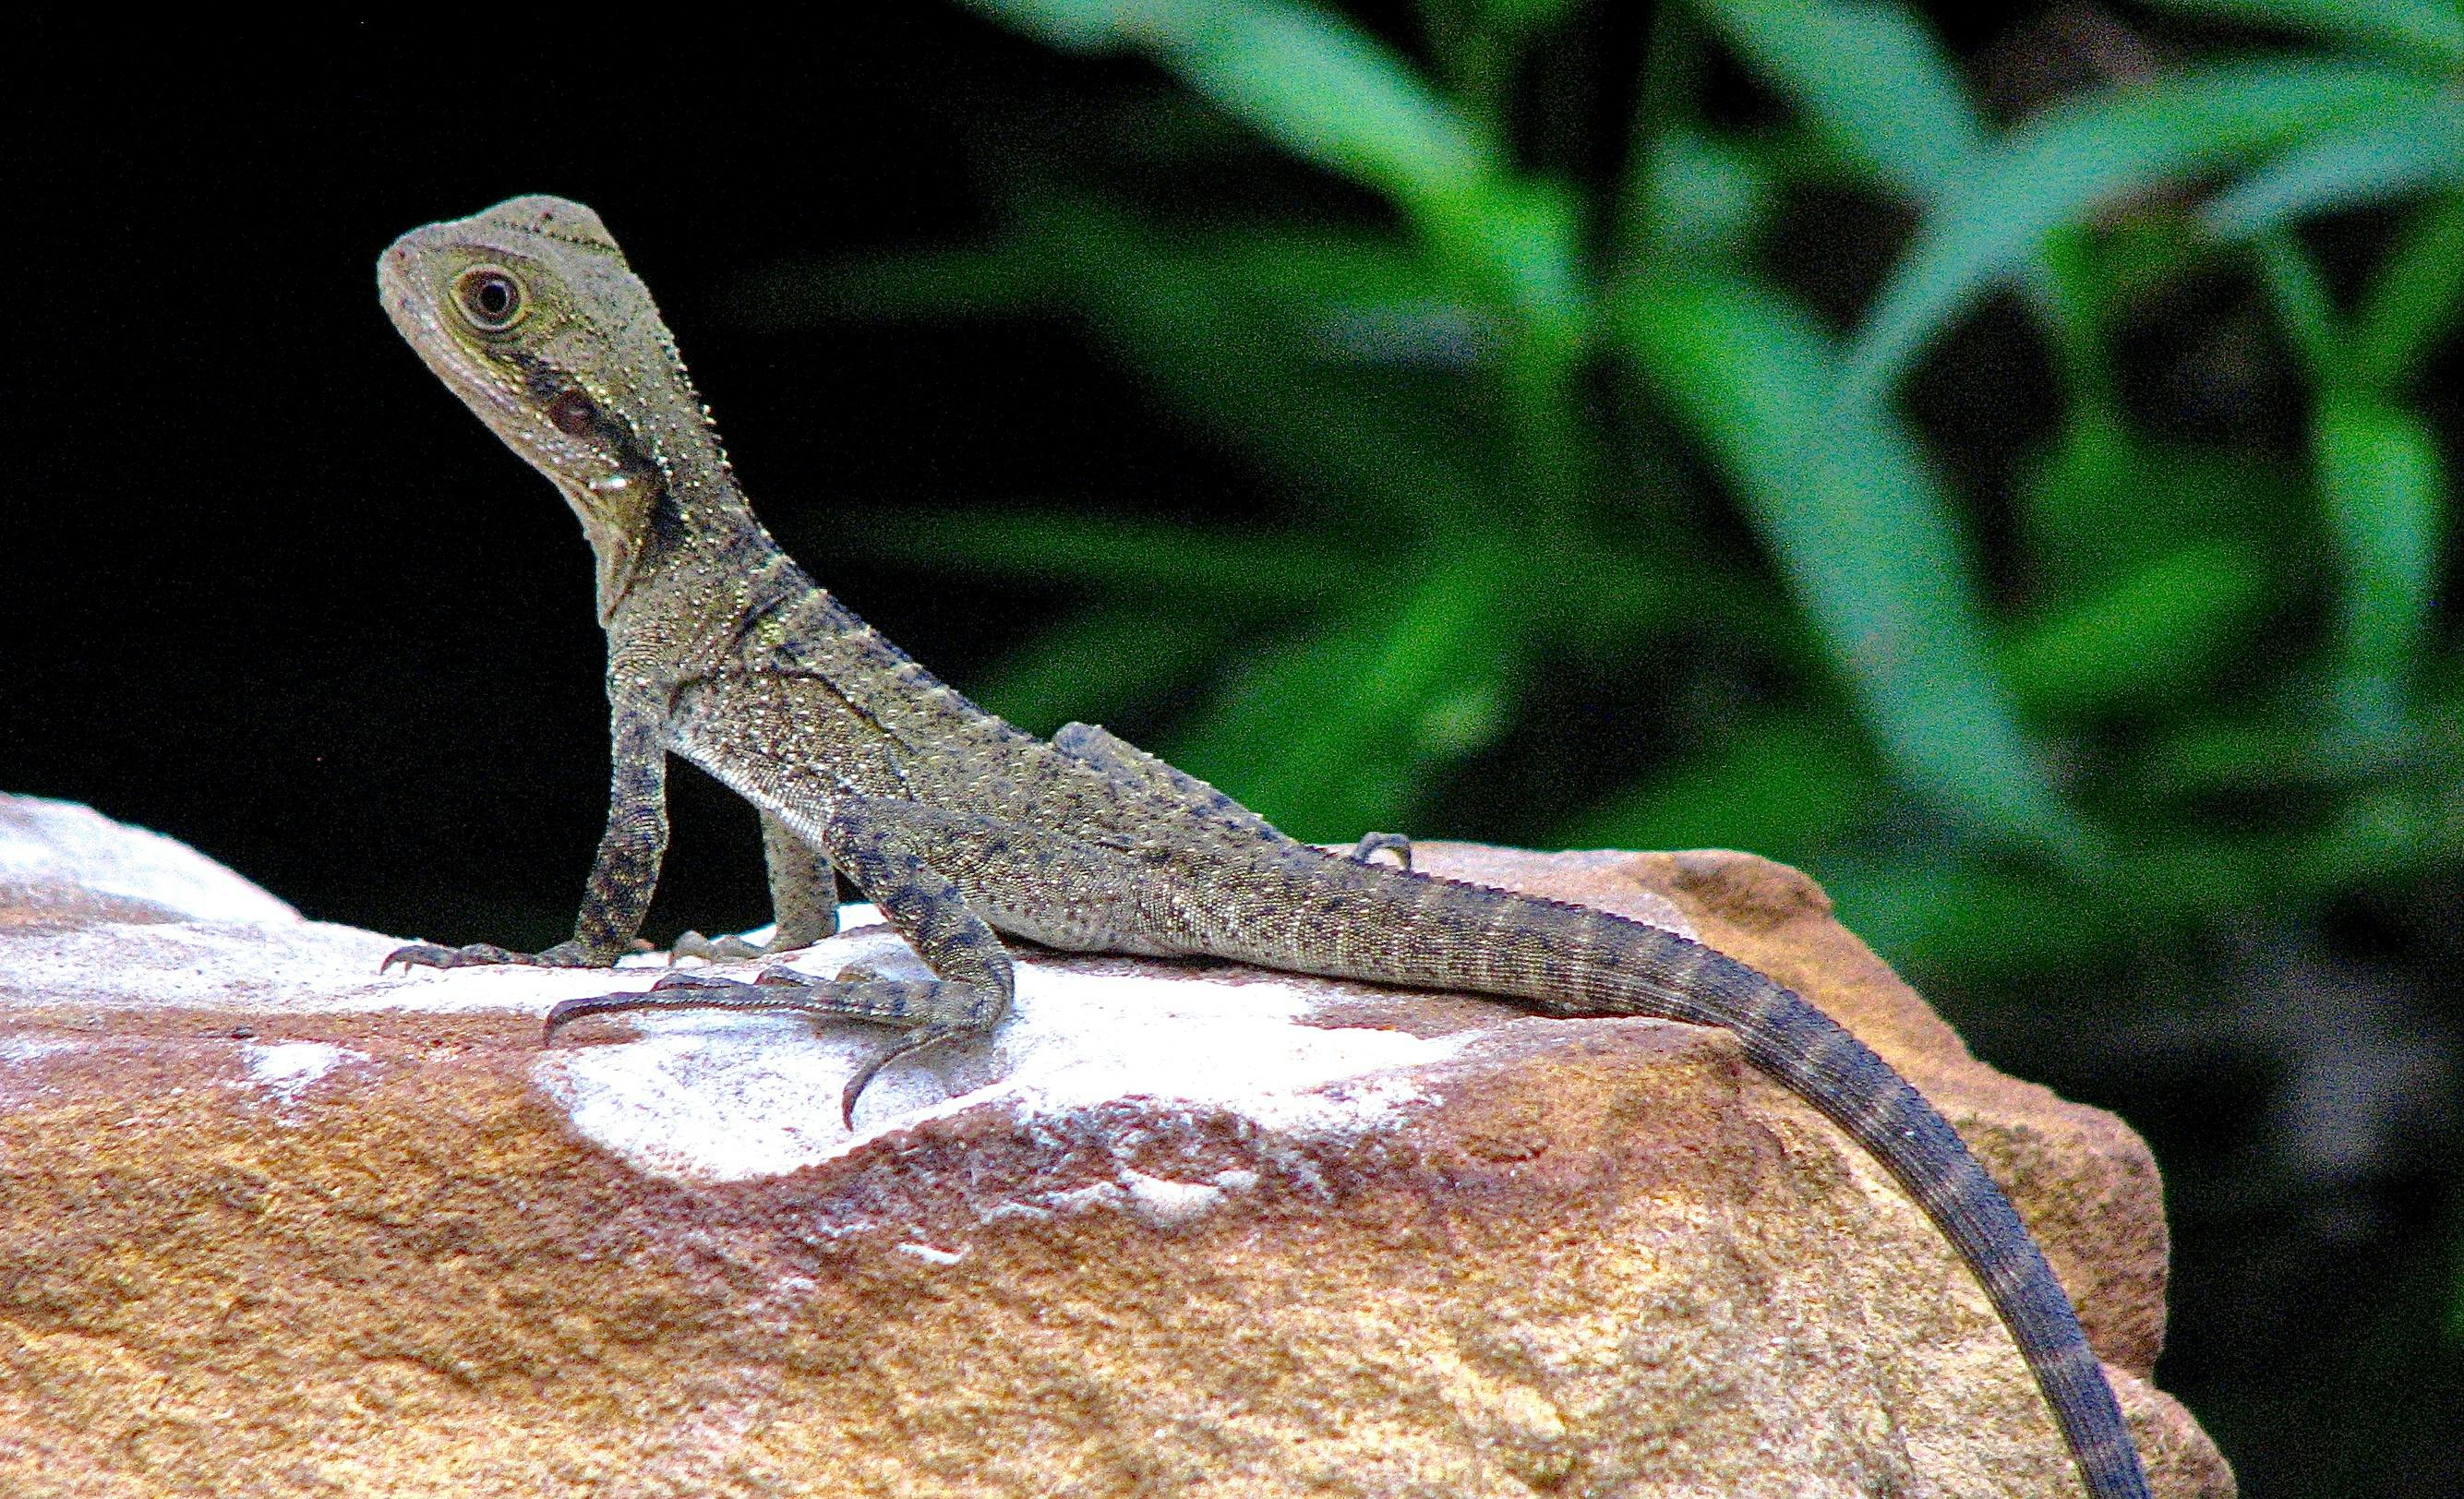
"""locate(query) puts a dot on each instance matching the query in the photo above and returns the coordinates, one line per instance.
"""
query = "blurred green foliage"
(1424, 366)
(1526, 408)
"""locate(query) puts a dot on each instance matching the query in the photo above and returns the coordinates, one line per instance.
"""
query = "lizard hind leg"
(972, 978)
(1130, 767)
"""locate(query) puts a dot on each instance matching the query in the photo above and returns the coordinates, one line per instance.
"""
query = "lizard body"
(962, 827)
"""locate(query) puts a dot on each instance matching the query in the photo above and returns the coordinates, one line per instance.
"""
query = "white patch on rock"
(1014, 1213)
(242, 949)
(308, 967)
(1093, 1196)
(1159, 1203)
(287, 1067)
(931, 1255)
(707, 1096)
(65, 843)
(720, 1097)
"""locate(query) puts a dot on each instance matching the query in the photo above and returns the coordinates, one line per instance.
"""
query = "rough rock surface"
(273, 1224)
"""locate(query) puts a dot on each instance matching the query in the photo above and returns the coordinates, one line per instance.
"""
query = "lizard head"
(528, 312)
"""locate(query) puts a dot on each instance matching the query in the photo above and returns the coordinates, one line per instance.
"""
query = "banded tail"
(1572, 961)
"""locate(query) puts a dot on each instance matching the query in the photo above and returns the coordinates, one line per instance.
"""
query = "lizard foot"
(689, 990)
(857, 992)
(433, 955)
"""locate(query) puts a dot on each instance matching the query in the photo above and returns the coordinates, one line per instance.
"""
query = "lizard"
(962, 827)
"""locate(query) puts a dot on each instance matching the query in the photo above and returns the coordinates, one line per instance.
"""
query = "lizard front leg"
(617, 895)
(803, 900)
(973, 979)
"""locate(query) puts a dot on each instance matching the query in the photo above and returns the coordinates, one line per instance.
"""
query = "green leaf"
(1862, 530)
(2412, 301)
(1334, 734)
(1243, 354)
(2372, 161)
(2302, 304)
(2385, 831)
(1703, 196)
(1330, 94)
(2425, 31)
(1529, 15)
(1240, 570)
(1783, 786)
(1595, 598)
(2062, 166)
(2238, 755)
(1316, 83)
(2378, 467)
(2105, 506)
(1870, 77)
(1103, 666)
(2149, 637)
(1935, 907)
(1313, 82)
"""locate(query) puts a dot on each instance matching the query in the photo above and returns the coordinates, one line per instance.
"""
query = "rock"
(279, 1225)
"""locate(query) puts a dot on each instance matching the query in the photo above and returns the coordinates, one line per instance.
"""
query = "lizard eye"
(572, 414)
(491, 298)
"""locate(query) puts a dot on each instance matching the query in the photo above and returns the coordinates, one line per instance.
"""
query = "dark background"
(267, 588)
(271, 591)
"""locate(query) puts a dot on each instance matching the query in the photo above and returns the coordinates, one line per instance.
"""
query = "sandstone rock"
(273, 1224)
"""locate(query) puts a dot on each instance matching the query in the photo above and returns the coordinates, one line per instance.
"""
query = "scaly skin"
(961, 826)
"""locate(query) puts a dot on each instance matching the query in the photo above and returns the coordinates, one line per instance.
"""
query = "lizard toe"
(714, 949)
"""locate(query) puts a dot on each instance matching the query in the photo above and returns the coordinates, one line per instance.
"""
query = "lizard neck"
(676, 588)
(671, 498)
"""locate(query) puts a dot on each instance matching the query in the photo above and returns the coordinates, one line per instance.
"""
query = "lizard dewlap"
(962, 827)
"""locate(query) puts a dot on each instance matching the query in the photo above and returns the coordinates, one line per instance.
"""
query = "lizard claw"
(916, 1041)
(564, 1012)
